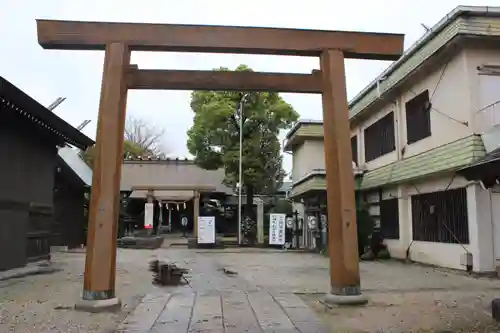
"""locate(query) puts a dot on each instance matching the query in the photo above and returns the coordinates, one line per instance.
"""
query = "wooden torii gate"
(119, 39)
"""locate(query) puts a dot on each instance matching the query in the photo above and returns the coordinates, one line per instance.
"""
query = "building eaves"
(301, 131)
(301, 122)
(450, 157)
(73, 160)
(18, 100)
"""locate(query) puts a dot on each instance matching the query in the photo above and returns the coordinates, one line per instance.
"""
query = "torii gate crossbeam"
(119, 39)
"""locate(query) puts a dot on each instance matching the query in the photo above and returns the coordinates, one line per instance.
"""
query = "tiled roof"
(450, 157)
(171, 172)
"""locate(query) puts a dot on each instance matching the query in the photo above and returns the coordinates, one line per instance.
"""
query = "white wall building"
(430, 114)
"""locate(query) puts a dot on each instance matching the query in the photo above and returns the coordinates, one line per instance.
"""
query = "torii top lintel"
(76, 35)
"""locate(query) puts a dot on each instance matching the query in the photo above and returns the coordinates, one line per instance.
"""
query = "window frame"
(418, 118)
(380, 137)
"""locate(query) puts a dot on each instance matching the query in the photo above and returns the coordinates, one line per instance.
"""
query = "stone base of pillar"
(346, 296)
(495, 309)
(192, 243)
(104, 305)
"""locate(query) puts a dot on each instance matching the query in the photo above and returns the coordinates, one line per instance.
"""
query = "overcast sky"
(76, 75)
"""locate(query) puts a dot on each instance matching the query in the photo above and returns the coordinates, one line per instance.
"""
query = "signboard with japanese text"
(206, 230)
(277, 224)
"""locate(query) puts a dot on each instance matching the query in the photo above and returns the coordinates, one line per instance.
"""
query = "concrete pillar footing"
(333, 299)
(104, 305)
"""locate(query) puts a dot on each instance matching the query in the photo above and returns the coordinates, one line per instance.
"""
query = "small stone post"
(260, 221)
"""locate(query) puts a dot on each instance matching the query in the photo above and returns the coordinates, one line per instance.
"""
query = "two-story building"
(413, 129)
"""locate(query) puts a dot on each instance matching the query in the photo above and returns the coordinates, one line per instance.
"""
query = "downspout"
(493, 232)
(399, 140)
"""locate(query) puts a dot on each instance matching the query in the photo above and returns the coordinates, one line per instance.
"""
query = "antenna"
(427, 29)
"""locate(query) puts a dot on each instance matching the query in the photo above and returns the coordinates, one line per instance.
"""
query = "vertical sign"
(148, 215)
(277, 229)
(206, 230)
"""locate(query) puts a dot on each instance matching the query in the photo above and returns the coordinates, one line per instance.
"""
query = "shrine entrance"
(119, 39)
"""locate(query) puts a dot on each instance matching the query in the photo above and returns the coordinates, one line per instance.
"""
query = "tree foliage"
(141, 138)
(144, 136)
(214, 137)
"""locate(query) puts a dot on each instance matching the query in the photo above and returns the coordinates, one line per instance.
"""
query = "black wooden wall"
(69, 205)
(27, 162)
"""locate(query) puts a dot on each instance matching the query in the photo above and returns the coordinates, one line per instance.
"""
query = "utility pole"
(240, 166)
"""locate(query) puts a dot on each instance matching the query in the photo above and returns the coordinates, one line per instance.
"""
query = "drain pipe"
(493, 233)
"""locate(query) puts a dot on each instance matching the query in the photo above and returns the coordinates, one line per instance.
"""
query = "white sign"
(148, 215)
(277, 229)
(206, 230)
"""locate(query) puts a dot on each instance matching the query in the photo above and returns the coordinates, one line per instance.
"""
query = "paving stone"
(301, 315)
(207, 314)
(270, 315)
(238, 315)
(144, 316)
(176, 316)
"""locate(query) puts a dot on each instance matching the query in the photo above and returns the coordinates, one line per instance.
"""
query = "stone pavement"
(228, 311)
(216, 302)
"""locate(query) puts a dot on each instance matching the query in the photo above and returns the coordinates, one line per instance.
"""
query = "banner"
(277, 229)
(148, 215)
(206, 230)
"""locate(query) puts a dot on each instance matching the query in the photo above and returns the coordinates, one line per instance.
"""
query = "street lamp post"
(240, 164)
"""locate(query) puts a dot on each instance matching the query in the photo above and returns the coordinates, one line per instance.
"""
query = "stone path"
(215, 302)
(217, 312)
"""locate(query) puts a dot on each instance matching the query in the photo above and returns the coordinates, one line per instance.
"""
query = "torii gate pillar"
(342, 230)
(100, 263)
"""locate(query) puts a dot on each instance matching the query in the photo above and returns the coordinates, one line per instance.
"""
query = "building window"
(389, 218)
(488, 114)
(440, 217)
(354, 149)
(418, 118)
(379, 138)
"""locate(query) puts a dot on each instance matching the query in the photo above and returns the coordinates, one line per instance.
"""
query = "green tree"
(214, 137)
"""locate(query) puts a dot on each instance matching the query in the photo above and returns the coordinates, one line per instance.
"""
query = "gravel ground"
(403, 298)
(42, 303)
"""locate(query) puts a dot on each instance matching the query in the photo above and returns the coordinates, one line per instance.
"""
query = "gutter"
(455, 13)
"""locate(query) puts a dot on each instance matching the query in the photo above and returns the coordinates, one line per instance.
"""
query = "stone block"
(495, 309)
(150, 243)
